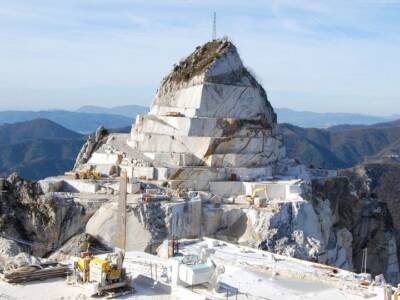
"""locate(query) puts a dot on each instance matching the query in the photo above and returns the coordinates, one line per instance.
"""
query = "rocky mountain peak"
(201, 60)
(216, 63)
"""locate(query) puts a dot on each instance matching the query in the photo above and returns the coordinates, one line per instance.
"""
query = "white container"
(195, 274)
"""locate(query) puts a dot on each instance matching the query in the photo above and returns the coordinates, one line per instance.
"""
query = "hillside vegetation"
(37, 149)
(343, 146)
(40, 148)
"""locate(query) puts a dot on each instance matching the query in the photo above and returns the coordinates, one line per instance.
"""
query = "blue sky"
(337, 56)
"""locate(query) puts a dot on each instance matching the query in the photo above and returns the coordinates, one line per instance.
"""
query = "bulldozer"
(105, 274)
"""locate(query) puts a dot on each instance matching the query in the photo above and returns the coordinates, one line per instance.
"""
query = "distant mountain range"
(310, 119)
(76, 121)
(129, 111)
(343, 146)
(299, 118)
(89, 118)
(37, 149)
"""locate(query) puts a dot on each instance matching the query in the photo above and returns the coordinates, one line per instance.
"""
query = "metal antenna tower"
(214, 33)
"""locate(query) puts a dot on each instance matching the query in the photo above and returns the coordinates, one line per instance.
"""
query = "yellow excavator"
(250, 198)
(85, 174)
(105, 274)
(89, 174)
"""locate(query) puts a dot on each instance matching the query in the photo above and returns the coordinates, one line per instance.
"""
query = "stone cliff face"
(38, 220)
(332, 221)
(210, 121)
(378, 184)
(148, 224)
(288, 228)
(92, 144)
(368, 220)
(213, 67)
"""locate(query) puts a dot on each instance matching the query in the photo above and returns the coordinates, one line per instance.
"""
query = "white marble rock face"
(210, 121)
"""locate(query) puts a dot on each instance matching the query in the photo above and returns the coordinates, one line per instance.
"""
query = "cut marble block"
(201, 127)
(203, 146)
(209, 121)
(173, 159)
(239, 160)
(143, 173)
(227, 188)
(214, 101)
(194, 185)
(81, 186)
(104, 158)
(214, 160)
(201, 173)
(284, 190)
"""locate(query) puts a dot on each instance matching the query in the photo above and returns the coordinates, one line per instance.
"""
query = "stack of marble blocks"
(204, 132)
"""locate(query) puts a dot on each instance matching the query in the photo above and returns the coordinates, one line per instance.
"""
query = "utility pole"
(214, 33)
(364, 260)
(121, 216)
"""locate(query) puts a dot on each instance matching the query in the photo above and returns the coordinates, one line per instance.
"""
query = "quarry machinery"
(105, 274)
(250, 199)
(89, 174)
(84, 174)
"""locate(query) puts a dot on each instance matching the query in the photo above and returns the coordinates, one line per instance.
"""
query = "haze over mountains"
(324, 120)
(76, 121)
(129, 111)
(285, 115)
(343, 146)
(37, 149)
(88, 118)
(44, 147)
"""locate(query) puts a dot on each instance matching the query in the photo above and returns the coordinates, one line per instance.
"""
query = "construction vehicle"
(174, 114)
(105, 274)
(89, 174)
(85, 174)
(250, 198)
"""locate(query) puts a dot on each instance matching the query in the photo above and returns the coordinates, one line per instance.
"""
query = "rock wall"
(377, 184)
(38, 219)
(332, 224)
(92, 144)
(368, 220)
(210, 121)
(148, 224)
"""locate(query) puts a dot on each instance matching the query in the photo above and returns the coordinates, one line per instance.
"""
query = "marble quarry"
(210, 121)
(209, 160)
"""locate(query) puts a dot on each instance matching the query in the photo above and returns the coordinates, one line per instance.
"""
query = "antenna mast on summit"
(214, 33)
